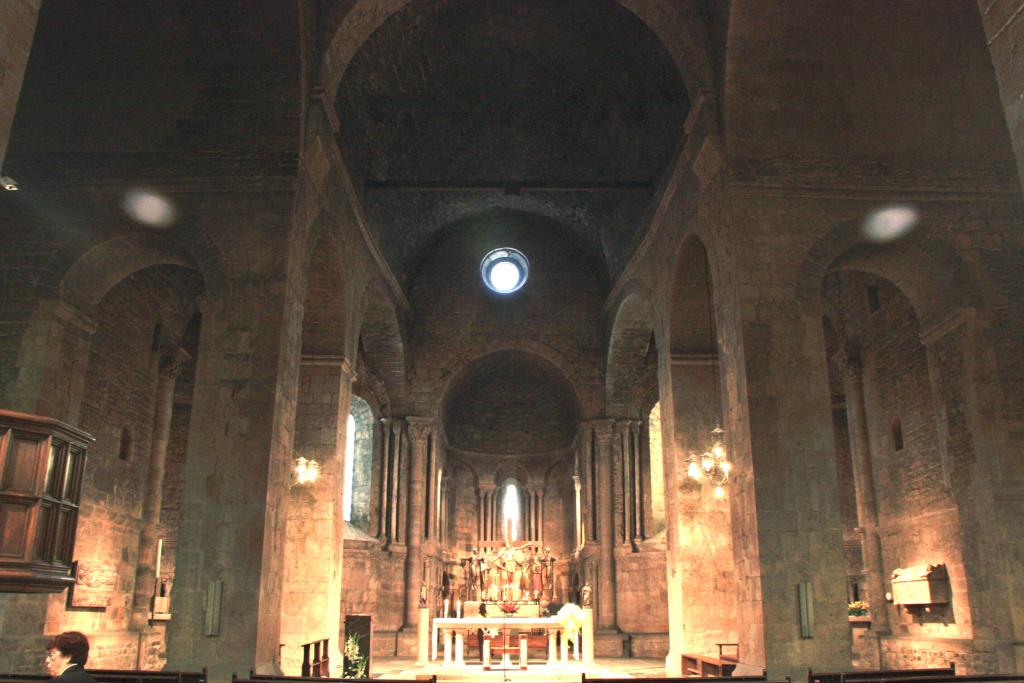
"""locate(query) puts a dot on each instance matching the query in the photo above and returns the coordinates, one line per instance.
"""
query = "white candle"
(445, 615)
(458, 608)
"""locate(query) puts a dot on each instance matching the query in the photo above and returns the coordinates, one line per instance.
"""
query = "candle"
(445, 615)
(458, 608)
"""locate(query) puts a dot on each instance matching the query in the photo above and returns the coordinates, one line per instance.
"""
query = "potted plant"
(858, 610)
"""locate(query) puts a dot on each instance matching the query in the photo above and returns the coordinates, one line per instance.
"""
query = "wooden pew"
(969, 678)
(688, 679)
(867, 675)
(123, 676)
(708, 666)
(270, 678)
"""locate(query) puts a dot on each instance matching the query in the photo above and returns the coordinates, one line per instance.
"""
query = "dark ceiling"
(571, 110)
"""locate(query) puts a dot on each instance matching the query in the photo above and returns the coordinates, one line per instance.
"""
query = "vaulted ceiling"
(570, 110)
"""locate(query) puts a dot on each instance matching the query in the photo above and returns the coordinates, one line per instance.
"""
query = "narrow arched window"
(897, 435)
(350, 462)
(510, 513)
(124, 452)
(656, 470)
(358, 470)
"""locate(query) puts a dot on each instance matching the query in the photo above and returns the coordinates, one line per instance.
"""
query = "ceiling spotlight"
(9, 183)
(890, 223)
(149, 208)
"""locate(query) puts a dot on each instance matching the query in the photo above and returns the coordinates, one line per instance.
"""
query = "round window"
(504, 270)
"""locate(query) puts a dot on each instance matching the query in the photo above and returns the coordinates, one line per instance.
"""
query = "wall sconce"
(305, 471)
(712, 466)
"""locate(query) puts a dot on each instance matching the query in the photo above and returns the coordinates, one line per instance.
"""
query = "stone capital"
(173, 363)
(951, 323)
(420, 429)
(603, 429)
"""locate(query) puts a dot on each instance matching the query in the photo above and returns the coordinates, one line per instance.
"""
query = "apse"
(511, 403)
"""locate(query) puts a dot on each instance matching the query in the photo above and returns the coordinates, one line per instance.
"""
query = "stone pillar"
(430, 491)
(983, 474)
(638, 527)
(540, 516)
(18, 18)
(315, 531)
(783, 487)
(145, 572)
(481, 502)
(606, 615)
(237, 471)
(53, 358)
(699, 552)
(394, 472)
(864, 485)
(419, 437)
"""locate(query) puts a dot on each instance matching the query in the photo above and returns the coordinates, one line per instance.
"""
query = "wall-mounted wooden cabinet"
(42, 462)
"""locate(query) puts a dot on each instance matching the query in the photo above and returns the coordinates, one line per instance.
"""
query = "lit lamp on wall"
(712, 466)
(305, 471)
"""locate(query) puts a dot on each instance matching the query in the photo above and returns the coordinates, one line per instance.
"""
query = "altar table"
(450, 627)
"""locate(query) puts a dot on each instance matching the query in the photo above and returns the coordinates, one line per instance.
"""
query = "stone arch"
(934, 280)
(326, 314)
(629, 348)
(550, 356)
(509, 404)
(680, 30)
(381, 338)
(105, 264)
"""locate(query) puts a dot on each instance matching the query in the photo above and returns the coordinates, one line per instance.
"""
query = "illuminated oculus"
(504, 270)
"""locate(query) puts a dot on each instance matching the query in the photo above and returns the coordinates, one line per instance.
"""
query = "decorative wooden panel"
(41, 466)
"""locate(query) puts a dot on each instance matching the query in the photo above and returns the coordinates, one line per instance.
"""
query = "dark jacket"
(75, 673)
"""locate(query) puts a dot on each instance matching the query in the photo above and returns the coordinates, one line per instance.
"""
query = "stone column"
(982, 471)
(53, 358)
(783, 487)
(606, 614)
(864, 485)
(638, 530)
(394, 470)
(430, 491)
(315, 531)
(237, 471)
(19, 22)
(540, 516)
(145, 572)
(481, 501)
(419, 437)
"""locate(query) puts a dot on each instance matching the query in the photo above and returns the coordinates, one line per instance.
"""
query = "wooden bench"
(689, 679)
(270, 678)
(123, 676)
(706, 666)
(970, 678)
(867, 675)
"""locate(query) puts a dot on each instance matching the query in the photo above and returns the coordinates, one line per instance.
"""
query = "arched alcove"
(511, 402)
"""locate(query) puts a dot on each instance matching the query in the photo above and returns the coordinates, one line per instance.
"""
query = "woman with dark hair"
(66, 655)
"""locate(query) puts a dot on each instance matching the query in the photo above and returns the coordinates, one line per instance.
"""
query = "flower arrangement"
(858, 608)
(570, 617)
(354, 665)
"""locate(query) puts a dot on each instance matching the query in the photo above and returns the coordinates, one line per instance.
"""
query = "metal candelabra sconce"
(712, 466)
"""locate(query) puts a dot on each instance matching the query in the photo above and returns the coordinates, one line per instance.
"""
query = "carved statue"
(585, 596)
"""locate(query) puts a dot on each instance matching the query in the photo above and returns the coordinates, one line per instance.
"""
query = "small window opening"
(897, 435)
(504, 270)
(125, 450)
(154, 343)
(510, 513)
(873, 301)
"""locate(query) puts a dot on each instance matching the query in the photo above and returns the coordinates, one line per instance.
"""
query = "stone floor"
(400, 667)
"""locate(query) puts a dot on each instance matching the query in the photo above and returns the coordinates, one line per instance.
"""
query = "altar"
(510, 631)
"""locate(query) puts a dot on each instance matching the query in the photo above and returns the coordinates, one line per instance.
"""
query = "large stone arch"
(679, 27)
(105, 264)
(629, 346)
(551, 357)
(934, 279)
(381, 338)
